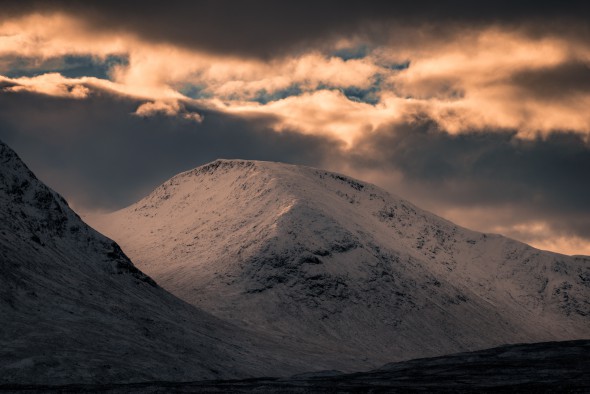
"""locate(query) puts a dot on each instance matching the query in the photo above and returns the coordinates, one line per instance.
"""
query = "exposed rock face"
(328, 259)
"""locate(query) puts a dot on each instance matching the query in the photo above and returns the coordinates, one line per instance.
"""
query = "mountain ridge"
(303, 251)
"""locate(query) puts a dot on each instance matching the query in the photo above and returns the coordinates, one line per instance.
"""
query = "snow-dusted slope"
(74, 309)
(325, 258)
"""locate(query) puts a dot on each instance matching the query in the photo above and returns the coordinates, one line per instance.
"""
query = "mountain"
(74, 309)
(331, 260)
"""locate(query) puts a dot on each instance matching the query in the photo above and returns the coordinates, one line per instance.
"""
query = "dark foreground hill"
(549, 367)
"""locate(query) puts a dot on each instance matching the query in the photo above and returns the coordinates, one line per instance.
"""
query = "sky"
(476, 111)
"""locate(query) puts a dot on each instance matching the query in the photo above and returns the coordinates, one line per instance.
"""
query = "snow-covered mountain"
(328, 259)
(74, 309)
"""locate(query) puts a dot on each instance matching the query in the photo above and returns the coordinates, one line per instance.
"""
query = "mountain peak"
(32, 211)
(253, 180)
(223, 164)
(227, 165)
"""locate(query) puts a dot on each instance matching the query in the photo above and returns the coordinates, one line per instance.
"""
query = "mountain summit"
(319, 256)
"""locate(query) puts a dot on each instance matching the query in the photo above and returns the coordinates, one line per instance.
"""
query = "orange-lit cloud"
(169, 108)
(52, 84)
(324, 112)
(463, 85)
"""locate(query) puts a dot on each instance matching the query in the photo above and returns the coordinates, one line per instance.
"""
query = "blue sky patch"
(70, 66)
(194, 91)
(358, 52)
(264, 97)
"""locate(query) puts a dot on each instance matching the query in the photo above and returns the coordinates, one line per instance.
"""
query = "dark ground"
(549, 367)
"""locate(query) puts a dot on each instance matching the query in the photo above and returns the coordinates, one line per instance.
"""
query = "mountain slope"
(319, 256)
(74, 309)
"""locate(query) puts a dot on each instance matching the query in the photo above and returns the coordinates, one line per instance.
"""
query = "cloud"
(55, 84)
(155, 107)
(324, 112)
(51, 84)
(171, 108)
(484, 78)
(44, 36)
(480, 82)
(266, 29)
(566, 81)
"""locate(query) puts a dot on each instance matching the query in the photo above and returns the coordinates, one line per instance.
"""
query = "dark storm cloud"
(543, 178)
(99, 156)
(559, 82)
(268, 28)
